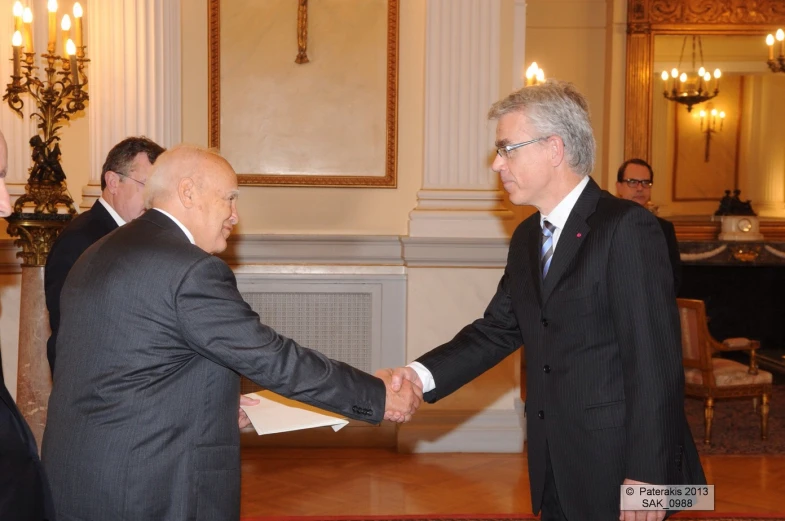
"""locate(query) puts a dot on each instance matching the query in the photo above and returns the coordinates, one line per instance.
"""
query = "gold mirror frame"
(389, 180)
(649, 18)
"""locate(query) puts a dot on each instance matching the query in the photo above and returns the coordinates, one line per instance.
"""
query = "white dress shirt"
(558, 218)
(116, 216)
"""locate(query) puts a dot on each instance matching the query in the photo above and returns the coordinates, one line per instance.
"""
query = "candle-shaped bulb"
(707, 76)
(78, 27)
(780, 35)
(703, 113)
(717, 73)
(540, 76)
(52, 6)
(701, 72)
(683, 77)
(770, 40)
(16, 42)
(27, 19)
(70, 48)
(52, 41)
(665, 76)
(65, 25)
(674, 73)
(713, 112)
(18, 9)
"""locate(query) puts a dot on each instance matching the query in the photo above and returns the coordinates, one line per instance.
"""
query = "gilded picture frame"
(342, 173)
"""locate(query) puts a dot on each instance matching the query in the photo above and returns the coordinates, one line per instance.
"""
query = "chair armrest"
(738, 344)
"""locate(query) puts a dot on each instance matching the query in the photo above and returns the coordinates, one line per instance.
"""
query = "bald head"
(199, 188)
(5, 199)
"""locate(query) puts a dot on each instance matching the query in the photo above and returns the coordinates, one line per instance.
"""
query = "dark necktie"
(546, 250)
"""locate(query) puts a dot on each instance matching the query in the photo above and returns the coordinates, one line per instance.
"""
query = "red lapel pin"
(579, 235)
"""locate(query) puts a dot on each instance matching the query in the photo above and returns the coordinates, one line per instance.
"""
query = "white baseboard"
(491, 430)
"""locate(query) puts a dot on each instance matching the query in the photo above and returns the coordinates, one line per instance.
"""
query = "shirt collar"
(116, 216)
(558, 216)
(178, 223)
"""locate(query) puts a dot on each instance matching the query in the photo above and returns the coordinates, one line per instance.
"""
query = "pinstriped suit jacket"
(604, 381)
(142, 419)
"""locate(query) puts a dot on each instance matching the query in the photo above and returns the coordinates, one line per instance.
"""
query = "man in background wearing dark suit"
(588, 291)
(142, 418)
(633, 182)
(123, 177)
(24, 491)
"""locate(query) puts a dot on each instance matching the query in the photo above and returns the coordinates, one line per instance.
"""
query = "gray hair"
(174, 164)
(556, 108)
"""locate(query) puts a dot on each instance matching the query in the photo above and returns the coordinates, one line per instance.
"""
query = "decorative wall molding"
(492, 430)
(313, 249)
(455, 252)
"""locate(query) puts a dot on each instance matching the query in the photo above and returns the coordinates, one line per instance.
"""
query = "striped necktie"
(546, 250)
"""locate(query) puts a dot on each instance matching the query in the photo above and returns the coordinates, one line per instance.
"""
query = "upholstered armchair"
(709, 377)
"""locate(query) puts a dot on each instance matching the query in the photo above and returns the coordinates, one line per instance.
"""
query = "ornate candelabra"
(58, 95)
(37, 221)
(710, 126)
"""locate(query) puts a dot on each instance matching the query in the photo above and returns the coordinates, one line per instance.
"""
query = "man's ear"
(186, 192)
(555, 150)
(112, 180)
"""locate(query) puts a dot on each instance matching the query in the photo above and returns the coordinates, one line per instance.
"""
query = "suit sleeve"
(645, 317)
(476, 348)
(59, 262)
(221, 326)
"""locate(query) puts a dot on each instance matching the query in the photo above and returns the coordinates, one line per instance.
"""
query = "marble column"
(33, 377)
(135, 78)
(460, 195)
(765, 143)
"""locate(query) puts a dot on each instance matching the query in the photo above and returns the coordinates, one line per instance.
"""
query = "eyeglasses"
(504, 152)
(633, 183)
(129, 177)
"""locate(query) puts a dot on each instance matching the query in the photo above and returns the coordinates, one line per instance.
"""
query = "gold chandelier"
(691, 88)
(777, 65)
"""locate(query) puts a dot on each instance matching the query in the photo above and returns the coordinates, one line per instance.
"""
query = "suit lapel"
(572, 237)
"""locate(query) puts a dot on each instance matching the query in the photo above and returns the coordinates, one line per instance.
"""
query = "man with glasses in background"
(633, 182)
(123, 177)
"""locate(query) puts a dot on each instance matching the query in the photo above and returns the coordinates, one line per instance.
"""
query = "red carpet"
(683, 516)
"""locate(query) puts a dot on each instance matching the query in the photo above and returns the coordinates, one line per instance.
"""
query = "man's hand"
(244, 421)
(400, 404)
(404, 373)
(640, 515)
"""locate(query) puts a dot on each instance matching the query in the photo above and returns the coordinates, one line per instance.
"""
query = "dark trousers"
(551, 506)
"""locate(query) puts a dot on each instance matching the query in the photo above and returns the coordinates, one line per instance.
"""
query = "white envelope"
(274, 413)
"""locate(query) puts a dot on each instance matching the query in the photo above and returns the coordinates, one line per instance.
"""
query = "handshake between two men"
(404, 393)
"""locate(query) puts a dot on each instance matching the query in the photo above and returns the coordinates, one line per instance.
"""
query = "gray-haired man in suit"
(588, 291)
(143, 414)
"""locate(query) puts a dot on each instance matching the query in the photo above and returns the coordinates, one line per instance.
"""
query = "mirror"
(733, 37)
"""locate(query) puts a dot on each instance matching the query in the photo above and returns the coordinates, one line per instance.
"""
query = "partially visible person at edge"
(24, 490)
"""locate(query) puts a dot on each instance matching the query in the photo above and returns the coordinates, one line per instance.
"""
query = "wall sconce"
(777, 65)
(709, 121)
(534, 75)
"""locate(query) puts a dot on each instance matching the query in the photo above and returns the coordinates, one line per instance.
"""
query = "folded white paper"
(274, 413)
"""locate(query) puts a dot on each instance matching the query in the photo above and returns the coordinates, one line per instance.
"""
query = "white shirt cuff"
(425, 376)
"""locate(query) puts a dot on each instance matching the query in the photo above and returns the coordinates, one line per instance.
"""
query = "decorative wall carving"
(716, 11)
